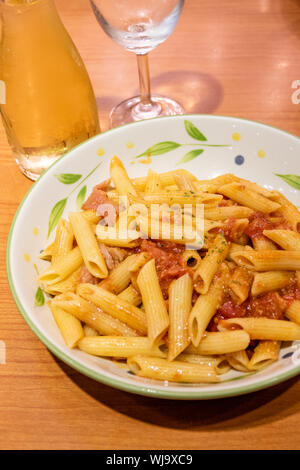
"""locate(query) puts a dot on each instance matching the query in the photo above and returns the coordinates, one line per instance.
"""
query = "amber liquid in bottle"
(49, 102)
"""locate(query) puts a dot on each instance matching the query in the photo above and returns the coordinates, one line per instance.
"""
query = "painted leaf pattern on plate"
(193, 131)
(56, 214)
(292, 180)
(68, 178)
(39, 298)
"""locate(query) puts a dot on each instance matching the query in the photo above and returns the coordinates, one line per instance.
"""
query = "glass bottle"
(48, 104)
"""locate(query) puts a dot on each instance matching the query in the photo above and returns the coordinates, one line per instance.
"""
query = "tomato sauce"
(97, 198)
(168, 261)
(86, 276)
(258, 222)
(290, 293)
(227, 310)
(230, 310)
(268, 305)
(227, 229)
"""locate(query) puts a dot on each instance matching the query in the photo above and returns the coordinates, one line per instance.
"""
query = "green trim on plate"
(139, 389)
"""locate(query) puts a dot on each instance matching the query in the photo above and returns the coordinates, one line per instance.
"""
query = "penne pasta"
(221, 179)
(93, 316)
(172, 187)
(239, 360)
(207, 187)
(223, 213)
(114, 306)
(265, 328)
(47, 253)
(176, 371)
(180, 305)
(209, 265)
(131, 295)
(240, 284)
(264, 354)
(234, 247)
(191, 259)
(139, 261)
(287, 210)
(120, 346)
(91, 216)
(62, 268)
(63, 242)
(297, 278)
(205, 308)
(220, 363)
(185, 234)
(89, 331)
(120, 277)
(182, 198)
(69, 326)
(120, 178)
(166, 179)
(270, 280)
(152, 182)
(89, 248)
(68, 284)
(121, 365)
(185, 184)
(247, 197)
(112, 237)
(268, 260)
(258, 189)
(182, 279)
(262, 243)
(293, 312)
(286, 239)
(153, 301)
(211, 225)
(221, 342)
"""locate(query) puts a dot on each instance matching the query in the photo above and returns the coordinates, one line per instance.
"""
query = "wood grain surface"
(230, 57)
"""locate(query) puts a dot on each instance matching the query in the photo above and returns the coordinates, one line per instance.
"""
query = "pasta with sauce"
(170, 307)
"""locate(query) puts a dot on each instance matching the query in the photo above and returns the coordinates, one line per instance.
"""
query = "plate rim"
(118, 383)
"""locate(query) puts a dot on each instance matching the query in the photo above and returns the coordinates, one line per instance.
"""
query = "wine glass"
(139, 26)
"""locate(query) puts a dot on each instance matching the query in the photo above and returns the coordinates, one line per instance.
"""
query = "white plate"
(248, 149)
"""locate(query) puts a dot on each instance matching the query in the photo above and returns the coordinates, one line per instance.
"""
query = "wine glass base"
(132, 110)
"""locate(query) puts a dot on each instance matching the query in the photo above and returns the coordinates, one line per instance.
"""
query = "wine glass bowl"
(139, 26)
(136, 25)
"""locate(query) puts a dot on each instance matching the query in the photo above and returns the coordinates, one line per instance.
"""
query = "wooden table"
(226, 57)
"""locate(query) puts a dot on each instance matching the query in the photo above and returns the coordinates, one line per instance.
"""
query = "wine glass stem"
(144, 78)
(145, 107)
